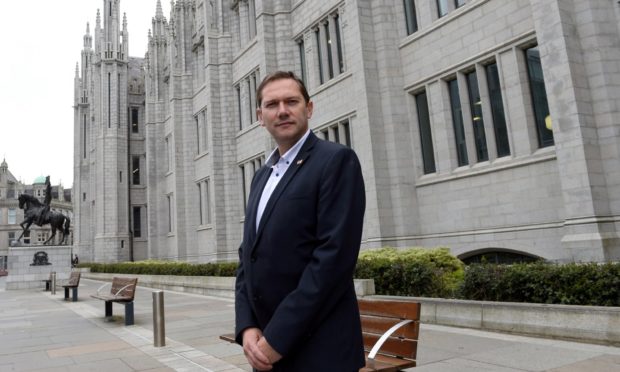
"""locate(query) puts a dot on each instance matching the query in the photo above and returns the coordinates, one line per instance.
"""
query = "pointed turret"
(88, 40)
(159, 13)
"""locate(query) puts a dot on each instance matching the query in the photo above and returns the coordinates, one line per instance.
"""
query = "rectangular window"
(442, 8)
(134, 120)
(12, 216)
(84, 136)
(539, 97)
(457, 123)
(168, 155)
(197, 122)
(475, 105)
(302, 58)
(497, 111)
(410, 17)
(426, 138)
(201, 219)
(328, 43)
(204, 137)
(252, 97)
(11, 240)
(238, 88)
(251, 19)
(319, 54)
(137, 222)
(207, 201)
(338, 43)
(135, 170)
(459, 3)
(169, 199)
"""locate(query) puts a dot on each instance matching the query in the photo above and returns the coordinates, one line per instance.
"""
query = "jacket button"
(253, 259)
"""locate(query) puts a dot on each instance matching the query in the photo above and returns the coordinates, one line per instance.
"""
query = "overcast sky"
(42, 41)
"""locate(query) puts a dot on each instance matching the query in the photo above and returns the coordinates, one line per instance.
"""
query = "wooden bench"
(122, 291)
(390, 329)
(73, 283)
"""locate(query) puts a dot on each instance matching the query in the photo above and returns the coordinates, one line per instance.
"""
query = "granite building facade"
(487, 126)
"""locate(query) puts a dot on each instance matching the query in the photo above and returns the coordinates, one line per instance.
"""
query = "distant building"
(11, 216)
(488, 126)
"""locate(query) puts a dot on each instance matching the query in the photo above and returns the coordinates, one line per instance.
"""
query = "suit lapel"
(302, 156)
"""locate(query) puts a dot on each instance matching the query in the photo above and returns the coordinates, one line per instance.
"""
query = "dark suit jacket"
(295, 277)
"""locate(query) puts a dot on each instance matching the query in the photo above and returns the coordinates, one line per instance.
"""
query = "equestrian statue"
(40, 214)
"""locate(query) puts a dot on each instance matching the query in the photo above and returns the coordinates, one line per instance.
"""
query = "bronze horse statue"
(33, 210)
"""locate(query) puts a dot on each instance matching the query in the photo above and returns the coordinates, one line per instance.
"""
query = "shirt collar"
(290, 155)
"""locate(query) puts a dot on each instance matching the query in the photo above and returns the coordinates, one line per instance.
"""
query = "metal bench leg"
(108, 309)
(47, 285)
(74, 289)
(66, 293)
(129, 313)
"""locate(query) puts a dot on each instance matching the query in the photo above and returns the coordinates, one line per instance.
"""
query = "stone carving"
(40, 259)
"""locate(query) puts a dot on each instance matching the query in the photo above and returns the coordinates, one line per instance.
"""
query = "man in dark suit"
(295, 304)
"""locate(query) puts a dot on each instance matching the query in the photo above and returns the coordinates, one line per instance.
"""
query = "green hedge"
(574, 284)
(165, 268)
(411, 272)
(434, 272)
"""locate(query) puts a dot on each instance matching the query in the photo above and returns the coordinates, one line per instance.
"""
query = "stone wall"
(23, 275)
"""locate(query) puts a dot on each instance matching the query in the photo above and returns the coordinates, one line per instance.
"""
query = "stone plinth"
(23, 275)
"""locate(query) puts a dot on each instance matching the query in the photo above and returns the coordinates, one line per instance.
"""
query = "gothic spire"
(124, 21)
(98, 19)
(159, 13)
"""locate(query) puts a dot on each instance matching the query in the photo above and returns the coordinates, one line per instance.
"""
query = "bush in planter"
(152, 267)
(411, 272)
(572, 284)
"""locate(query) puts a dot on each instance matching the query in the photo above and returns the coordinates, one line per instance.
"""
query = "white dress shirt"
(279, 165)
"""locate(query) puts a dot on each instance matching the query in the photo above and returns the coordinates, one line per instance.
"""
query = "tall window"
(134, 120)
(238, 89)
(475, 105)
(319, 52)
(457, 123)
(137, 222)
(459, 3)
(199, 185)
(410, 17)
(329, 47)
(12, 216)
(497, 111)
(207, 201)
(84, 136)
(170, 215)
(426, 138)
(539, 97)
(11, 239)
(302, 58)
(135, 170)
(251, 19)
(168, 155)
(442, 8)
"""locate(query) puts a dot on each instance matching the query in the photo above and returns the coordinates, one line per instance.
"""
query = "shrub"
(411, 272)
(152, 267)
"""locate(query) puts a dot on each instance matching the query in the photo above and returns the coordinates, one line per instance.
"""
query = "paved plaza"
(41, 332)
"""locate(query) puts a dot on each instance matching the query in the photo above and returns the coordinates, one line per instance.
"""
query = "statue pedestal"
(23, 274)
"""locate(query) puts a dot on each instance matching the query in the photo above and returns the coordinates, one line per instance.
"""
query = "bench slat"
(375, 324)
(393, 346)
(388, 308)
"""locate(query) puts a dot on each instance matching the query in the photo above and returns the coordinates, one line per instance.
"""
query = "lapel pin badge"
(300, 161)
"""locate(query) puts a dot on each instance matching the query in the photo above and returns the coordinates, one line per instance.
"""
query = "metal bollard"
(159, 329)
(53, 283)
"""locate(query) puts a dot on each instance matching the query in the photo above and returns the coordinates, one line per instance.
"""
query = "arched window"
(497, 256)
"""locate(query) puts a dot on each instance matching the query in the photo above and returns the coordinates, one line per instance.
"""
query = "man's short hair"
(279, 75)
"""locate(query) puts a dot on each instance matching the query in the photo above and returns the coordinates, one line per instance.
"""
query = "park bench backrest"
(127, 292)
(74, 279)
(378, 316)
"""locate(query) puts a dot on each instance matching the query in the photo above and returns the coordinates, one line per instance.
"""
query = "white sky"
(41, 42)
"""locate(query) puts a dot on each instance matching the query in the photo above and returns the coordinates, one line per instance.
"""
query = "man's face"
(284, 112)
